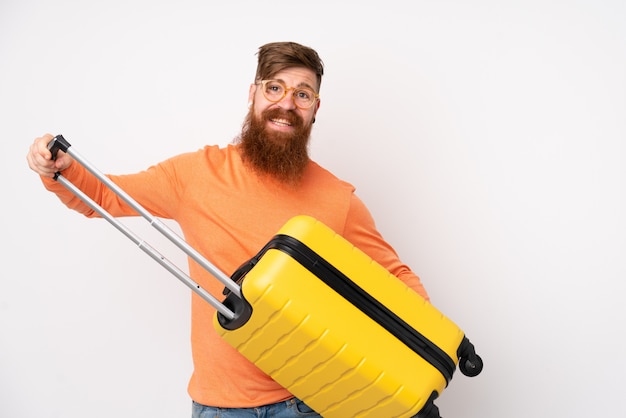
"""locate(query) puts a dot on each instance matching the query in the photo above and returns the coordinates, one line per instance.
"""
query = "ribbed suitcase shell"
(321, 348)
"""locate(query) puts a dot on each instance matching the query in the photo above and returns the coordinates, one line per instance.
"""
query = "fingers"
(40, 160)
(39, 157)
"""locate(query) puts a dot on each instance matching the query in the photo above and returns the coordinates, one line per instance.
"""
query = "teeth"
(281, 122)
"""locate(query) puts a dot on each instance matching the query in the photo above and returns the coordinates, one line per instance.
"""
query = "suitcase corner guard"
(238, 304)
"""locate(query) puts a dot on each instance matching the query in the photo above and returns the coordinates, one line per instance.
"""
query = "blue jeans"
(291, 408)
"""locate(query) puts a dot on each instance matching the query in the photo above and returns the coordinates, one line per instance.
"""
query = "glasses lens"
(303, 98)
(274, 90)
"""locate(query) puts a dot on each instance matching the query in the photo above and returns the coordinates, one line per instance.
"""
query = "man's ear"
(317, 106)
(251, 94)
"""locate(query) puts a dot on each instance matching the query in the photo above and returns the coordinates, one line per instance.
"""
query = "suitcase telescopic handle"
(59, 143)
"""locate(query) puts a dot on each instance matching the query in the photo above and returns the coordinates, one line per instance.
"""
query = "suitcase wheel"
(429, 410)
(471, 367)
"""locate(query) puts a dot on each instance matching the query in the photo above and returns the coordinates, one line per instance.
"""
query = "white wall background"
(487, 137)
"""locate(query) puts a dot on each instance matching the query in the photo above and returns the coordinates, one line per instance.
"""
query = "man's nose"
(287, 102)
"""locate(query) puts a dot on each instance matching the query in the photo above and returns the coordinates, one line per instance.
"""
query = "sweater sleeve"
(82, 179)
(156, 189)
(360, 229)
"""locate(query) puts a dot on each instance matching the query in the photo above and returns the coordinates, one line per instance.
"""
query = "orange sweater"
(227, 212)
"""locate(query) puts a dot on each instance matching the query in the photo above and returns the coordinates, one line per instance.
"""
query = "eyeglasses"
(275, 91)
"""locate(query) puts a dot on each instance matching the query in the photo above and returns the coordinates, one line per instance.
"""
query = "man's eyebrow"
(307, 85)
(301, 84)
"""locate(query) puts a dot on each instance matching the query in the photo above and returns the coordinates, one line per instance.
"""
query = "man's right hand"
(40, 159)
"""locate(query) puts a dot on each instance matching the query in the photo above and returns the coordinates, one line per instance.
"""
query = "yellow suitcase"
(339, 331)
(323, 319)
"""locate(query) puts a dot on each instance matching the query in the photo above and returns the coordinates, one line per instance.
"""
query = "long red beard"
(283, 156)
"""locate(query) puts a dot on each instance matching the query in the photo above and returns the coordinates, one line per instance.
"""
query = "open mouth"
(280, 122)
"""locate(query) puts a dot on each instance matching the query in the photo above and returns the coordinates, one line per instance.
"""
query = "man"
(228, 202)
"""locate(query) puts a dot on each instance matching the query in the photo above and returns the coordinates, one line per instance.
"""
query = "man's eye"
(304, 94)
(275, 88)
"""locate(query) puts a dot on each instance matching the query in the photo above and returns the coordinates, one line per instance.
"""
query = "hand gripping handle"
(57, 144)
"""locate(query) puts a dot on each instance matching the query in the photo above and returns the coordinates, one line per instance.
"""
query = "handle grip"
(58, 143)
